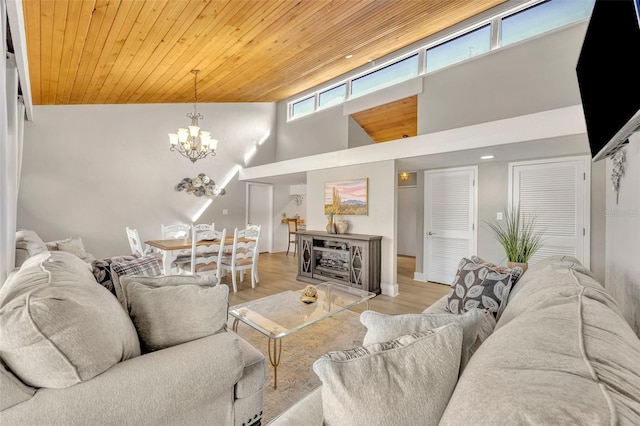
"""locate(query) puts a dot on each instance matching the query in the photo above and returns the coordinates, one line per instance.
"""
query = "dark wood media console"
(352, 259)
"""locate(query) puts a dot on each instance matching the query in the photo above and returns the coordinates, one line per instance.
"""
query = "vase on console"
(331, 228)
(342, 226)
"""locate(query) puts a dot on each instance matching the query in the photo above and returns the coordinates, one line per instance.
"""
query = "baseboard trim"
(391, 290)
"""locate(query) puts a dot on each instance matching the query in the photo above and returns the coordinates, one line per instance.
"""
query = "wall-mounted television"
(609, 75)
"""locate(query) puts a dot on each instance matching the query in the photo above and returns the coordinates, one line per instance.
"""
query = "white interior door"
(557, 192)
(407, 221)
(260, 212)
(449, 221)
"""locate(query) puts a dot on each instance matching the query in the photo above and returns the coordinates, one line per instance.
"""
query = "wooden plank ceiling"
(392, 121)
(142, 51)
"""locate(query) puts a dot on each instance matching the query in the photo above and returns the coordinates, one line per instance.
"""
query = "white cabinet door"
(449, 222)
(556, 191)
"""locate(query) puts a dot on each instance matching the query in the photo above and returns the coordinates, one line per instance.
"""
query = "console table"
(351, 259)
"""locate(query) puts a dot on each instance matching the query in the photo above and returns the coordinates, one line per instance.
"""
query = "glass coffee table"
(284, 313)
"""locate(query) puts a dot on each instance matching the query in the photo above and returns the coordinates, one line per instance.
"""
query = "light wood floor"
(278, 273)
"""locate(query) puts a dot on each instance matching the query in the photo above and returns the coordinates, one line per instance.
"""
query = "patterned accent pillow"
(102, 272)
(516, 272)
(146, 266)
(101, 269)
(478, 286)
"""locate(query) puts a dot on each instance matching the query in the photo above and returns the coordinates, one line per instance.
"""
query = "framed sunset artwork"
(346, 197)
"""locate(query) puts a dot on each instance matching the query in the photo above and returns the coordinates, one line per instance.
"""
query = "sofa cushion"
(561, 353)
(12, 390)
(479, 286)
(146, 266)
(477, 325)
(254, 372)
(169, 315)
(58, 326)
(407, 380)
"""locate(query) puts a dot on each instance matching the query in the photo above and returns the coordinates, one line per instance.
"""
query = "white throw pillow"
(30, 241)
(477, 325)
(405, 381)
(75, 246)
(169, 315)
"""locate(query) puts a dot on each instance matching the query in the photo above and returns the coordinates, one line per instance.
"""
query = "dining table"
(173, 247)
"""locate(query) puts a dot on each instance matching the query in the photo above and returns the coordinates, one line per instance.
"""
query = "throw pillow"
(30, 241)
(516, 272)
(477, 325)
(102, 272)
(58, 327)
(75, 246)
(478, 286)
(169, 315)
(408, 380)
(146, 266)
(53, 245)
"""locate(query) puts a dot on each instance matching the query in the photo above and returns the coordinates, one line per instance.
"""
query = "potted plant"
(518, 236)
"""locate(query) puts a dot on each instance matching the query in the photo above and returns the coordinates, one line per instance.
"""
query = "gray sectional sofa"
(71, 355)
(560, 354)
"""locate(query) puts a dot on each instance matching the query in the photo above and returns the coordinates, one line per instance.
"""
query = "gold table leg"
(274, 358)
(234, 327)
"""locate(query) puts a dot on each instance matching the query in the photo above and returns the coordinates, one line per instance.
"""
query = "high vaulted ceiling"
(142, 51)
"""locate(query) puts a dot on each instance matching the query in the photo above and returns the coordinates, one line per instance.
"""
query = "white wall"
(312, 134)
(537, 74)
(407, 207)
(357, 135)
(622, 261)
(92, 170)
(381, 216)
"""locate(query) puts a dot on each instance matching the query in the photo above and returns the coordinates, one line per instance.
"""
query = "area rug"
(299, 350)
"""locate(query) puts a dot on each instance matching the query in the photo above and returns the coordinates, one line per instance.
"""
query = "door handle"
(431, 233)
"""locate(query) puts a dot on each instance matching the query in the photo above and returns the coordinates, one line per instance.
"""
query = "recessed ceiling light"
(348, 56)
(486, 157)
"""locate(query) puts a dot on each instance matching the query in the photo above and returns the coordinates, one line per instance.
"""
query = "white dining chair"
(175, 230)
(136, 243)
(205, 259)
(205, 228)
(134, 240)
(244, 255)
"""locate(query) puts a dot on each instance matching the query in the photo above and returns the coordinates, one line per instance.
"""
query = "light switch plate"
(225, 211)
(499, 216)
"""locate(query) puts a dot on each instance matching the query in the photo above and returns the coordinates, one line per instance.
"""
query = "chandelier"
(193, 143)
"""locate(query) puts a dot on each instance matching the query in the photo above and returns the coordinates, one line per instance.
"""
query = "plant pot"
(512, 265)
